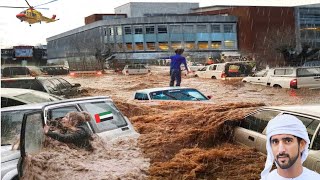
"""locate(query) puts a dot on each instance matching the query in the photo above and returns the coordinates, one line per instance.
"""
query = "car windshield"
(33, 98)
(178, 94)
(10, 126)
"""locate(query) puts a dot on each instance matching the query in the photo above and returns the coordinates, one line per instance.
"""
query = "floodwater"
(179, 140)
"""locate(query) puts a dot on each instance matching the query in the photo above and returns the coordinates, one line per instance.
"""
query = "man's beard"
(290, 162)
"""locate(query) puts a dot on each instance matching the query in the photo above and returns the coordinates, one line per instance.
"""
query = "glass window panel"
(129, 46)
(137, 30)
(259, 120)
(175, 29)
(127, 30)
(162, 29)
(175, 45)
(203, 45)
(228, 28)
(149, 29)
(229, 44)
(163, 46)
(110, 31)
(118, 30)
(151, 46)
(139, 46)
(202, 29)
(215, 28)
(216, 44)
(189, 45)
(188, 29)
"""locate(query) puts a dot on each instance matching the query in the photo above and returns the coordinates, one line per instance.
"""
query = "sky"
(71, 15)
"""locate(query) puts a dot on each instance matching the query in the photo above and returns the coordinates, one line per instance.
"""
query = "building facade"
(146, 38)
(154, 30)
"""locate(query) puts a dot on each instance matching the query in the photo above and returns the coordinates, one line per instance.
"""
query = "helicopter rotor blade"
(12, 7)
(28, 3)
(20, 7)
(46, 3)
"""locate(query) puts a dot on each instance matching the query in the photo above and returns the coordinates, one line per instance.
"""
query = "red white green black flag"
(105, 116)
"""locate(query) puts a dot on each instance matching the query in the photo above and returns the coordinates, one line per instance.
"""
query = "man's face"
(286, 149)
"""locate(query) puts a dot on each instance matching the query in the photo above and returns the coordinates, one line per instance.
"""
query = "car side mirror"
(76, 85)
(209, 97)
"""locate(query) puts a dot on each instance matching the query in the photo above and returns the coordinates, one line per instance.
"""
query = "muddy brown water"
(179, 140)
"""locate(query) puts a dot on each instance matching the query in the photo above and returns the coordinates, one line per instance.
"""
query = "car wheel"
(213, 77)
(277, 86)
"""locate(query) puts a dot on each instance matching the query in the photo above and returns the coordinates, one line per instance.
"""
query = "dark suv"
(52, 85)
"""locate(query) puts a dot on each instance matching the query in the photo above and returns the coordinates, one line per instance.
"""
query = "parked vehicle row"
(287, 77)
(238, 69)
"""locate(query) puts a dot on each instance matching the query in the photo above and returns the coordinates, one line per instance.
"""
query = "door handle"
(251, 138)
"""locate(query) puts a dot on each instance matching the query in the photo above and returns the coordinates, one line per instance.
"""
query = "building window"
(202, 29)
(127, 30)
(137, 30)
(175, 29)
(215, 28)
(176, 45)
(139, 46)
(151, 46)
(120, 46)
(228, 28)
(163, 46)
(189, 45)
(162, 29)
(118, 30)
(203, 45)
(188, 29)
(149, 29)
(129, 46)
(110, 31)
(229, 44)
(216, 44)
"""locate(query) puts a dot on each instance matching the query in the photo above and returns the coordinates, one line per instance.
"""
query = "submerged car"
(170, 93)
(252, 130)
(51, 85)
(17, 96)
(29, 120)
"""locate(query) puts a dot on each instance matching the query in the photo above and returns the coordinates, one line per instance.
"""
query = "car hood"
(7, 154)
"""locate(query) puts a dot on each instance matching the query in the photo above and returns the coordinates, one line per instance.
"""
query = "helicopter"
(31, 15)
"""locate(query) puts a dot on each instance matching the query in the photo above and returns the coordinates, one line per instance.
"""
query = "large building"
(154, 30)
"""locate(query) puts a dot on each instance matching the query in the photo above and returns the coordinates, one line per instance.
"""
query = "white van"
(135, 69)
(225, 70)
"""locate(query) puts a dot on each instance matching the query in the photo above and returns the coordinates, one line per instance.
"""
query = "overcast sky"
(72, 13)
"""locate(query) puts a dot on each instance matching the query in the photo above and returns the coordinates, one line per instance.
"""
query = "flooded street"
(179, 140)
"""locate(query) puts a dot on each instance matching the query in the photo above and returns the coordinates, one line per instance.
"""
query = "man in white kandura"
(287, 146)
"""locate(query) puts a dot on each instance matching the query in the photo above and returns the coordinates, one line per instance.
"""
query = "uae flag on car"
(105, 116)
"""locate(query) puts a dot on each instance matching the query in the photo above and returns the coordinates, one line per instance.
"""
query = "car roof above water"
(161, 89)
(309, 109)
(41, 105)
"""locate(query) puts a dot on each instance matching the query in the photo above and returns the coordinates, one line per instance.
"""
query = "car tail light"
(72, 74)
(99, 73)
(223, 75)
(294, 84)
